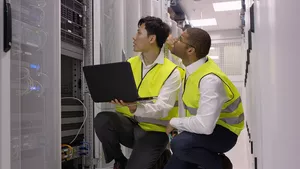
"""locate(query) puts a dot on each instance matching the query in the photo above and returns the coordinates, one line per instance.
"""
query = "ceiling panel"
(203, 9)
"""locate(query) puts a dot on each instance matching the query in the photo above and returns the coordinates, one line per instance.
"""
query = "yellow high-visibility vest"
(150, 86)
(232, 113)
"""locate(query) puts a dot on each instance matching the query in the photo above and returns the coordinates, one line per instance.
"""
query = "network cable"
(85, 111)
(67, 153)
(32, 85)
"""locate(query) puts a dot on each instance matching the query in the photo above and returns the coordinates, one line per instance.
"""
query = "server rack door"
(146, 8)
(132, 16)
(112, 29)
(156, 8)
(4, 97)
(35, 84)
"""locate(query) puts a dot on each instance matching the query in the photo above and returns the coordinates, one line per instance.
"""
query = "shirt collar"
(158, 60)
(194, 66)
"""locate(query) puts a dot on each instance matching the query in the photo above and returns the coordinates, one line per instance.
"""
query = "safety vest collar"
(159, 60)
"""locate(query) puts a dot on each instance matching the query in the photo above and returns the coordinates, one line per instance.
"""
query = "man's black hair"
(155, 26)
(199, 39)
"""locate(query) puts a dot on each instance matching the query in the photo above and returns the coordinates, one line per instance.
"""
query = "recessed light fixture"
(227, 6)
(204, 22)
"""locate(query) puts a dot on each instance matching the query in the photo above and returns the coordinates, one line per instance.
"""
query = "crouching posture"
(142, 126)
(210, 105)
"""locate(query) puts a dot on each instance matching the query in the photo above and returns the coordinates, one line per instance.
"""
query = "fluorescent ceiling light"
(227, 6)
(214, 57)
(212, 48)
(204, 22)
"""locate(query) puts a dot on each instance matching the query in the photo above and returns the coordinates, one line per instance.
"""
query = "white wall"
(225, 34)
(274, 84)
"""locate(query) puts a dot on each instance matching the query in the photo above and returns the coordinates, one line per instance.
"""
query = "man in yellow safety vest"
(210, 108)
(142, 126)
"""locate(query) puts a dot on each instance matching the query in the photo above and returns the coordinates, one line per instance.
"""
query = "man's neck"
(150, 56)
(189, 61)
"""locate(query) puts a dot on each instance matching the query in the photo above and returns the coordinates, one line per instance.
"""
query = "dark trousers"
(192, 150)
(114, 129)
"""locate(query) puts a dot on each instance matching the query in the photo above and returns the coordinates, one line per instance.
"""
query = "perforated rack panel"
(72, 22)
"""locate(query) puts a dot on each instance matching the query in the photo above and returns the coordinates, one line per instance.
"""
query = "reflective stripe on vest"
(229, 109)
(175, 105)
(234, 120)
(152, 120)
(233, 106)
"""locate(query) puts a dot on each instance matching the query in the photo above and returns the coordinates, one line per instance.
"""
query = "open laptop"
(107, 82)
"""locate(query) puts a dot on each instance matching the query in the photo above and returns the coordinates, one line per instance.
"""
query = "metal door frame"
(4, 99)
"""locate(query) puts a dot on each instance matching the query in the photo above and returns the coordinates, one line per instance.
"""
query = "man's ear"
(152, 39)
(191, 50)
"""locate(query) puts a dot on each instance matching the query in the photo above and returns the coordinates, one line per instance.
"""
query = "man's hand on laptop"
(132, 106)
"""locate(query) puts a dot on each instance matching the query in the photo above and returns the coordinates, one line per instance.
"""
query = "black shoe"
(226, 163)
(164, 158)
(118, 165)
(162, 161)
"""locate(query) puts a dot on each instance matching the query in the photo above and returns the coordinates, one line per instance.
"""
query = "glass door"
(4, 90)
(35, 84)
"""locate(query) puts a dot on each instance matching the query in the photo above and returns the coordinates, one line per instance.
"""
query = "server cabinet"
(112, 44)
(4, 96)
(132, 14)
(146, 7)
(77, 146)
(156, 9)
(33, 91)
(112, 23)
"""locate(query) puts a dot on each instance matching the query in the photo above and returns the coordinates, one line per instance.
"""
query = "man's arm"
(212, 98)
(165, 100)
(181, 110)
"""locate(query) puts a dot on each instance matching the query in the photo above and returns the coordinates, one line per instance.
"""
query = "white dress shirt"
(167, 95)
(212, 98)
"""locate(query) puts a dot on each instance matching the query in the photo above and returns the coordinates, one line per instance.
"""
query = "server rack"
(72, 22)
(33, 84)
(75, 112)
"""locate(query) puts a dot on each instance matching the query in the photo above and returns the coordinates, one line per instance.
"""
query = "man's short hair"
(199, 39)
(155, 26)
